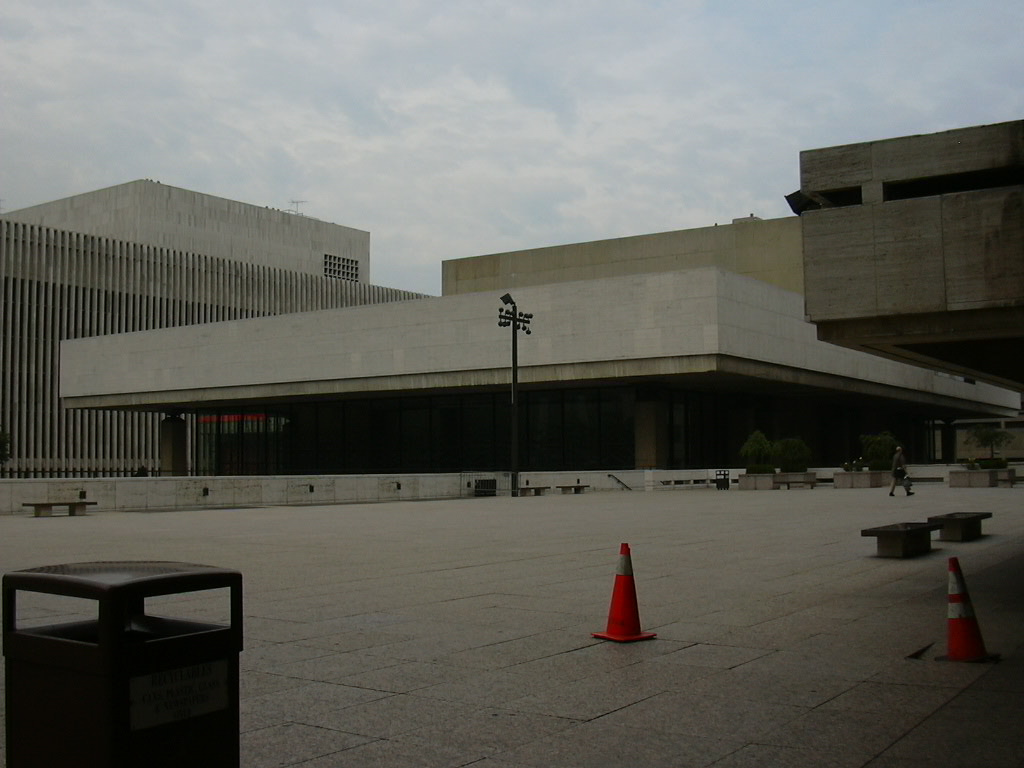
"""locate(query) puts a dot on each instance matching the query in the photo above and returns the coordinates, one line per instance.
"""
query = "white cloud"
(452, 128)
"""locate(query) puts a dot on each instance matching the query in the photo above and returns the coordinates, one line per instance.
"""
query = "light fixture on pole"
(516, 320)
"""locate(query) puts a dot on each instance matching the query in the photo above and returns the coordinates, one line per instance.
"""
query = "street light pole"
(510, 316)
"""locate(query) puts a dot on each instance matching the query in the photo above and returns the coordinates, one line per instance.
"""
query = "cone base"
(624, 638)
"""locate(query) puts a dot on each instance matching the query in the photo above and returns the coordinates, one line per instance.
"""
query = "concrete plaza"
(456, 633)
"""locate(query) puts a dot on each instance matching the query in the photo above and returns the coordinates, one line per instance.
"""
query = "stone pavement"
(457, 633)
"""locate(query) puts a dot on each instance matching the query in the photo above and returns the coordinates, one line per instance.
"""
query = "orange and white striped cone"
(624, 615)
(963, 641)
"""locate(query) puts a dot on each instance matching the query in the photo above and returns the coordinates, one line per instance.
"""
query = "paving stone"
(459, 633)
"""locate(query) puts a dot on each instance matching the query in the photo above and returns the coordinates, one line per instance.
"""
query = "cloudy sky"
(454, 128)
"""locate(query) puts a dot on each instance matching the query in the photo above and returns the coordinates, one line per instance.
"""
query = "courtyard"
(457, 633)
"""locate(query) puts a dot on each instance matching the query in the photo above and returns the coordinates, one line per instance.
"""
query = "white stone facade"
(164, 216)
(670, 324)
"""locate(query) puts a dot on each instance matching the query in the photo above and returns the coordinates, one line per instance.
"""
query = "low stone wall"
(140, 494)
(982, 478)
(758, 482)
(161, 493)
(131, 494)
(973, 478)
(749, 482)
(629, 479)
(862, 479)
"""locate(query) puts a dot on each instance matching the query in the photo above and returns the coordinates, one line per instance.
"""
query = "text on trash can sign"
(178, 694)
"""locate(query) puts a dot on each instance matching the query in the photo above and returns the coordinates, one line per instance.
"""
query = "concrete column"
(173, 446)
(872, 192)
(948, 441)
(651, 434)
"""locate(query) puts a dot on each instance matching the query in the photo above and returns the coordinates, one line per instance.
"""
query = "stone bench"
(45, 508)
(789, 479)
(572, 488)
(535, 490)
(903, 539)
(960, 526)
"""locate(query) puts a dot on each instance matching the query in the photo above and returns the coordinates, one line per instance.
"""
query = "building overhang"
(984, 345)
(914, 249)
(698, 329)
(711, 373)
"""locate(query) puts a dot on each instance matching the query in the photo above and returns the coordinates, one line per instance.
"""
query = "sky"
(456, 128)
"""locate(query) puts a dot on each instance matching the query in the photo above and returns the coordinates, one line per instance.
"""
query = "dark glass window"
(618, 446)
(582, 429)
(542, 433)
(445, 440)
(415, 435)
(479, 425)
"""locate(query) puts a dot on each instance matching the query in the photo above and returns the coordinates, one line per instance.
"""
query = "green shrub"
(985, 436)
(992, 464)
(879, 449)
(793, 454)
(758, 451)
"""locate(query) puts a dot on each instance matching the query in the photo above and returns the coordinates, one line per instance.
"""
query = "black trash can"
(722, 479)
(125, 689)
(487, 486)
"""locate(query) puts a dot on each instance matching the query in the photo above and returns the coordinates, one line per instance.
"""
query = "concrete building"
(655, 351)
(914, 248)
(659, 351)
(162, 216)
(140, 256)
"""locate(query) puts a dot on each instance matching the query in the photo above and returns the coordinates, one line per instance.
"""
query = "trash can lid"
(98, 578)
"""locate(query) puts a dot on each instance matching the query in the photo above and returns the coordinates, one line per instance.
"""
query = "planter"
(789, 479)
(755, 482)
(873, 478)
(759, 482)
(981, 478)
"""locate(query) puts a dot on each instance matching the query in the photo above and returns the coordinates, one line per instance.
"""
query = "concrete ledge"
(748, 482)
(864, 479)
(130, 494)
(759, 482)
(973, 478)
(789, 479)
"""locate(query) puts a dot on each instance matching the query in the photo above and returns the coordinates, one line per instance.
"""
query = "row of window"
(580, 429)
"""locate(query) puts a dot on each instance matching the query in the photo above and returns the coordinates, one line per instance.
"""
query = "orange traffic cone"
(623, 615)
(964, 641)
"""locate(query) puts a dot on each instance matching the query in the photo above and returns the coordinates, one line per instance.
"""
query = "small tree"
(879, 449)
(986, 436)
(793, 454)
(758, 451)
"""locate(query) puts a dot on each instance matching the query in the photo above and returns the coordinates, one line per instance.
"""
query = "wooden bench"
(536, 490)
(45, 508)
(903, 539)
(572, 488)
(960, 526)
